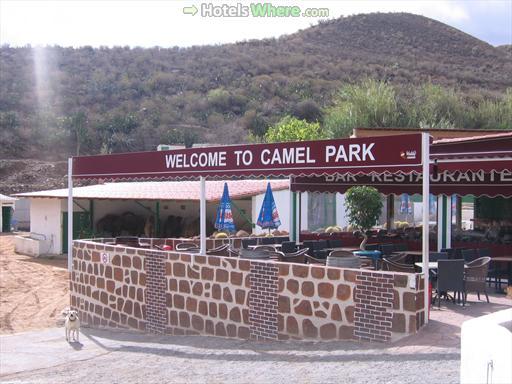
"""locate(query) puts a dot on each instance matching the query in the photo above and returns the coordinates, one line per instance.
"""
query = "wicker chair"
(267, 240)
(400, 247)
(335, 243)
(476, 276)
(274, 255)
(469, 255)
(187, 247)
(294, 257)
(254, 254)
(314, 260)
(367, 263)
(222, 250)
(388, 265)
(247, 242)
(387, 249)
(400, 258)
(233, 252)
(130, 241)
(288, 246)
(265, 248)
(340, 254)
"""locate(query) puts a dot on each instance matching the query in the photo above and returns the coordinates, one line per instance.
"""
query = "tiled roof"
(7, 199)
(474, 138)
(163, 190)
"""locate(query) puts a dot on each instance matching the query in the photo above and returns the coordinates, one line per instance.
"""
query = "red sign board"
(401, 153)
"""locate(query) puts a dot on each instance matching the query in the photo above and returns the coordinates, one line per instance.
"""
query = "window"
(321, 210)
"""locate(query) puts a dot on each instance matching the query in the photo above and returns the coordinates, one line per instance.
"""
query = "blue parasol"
(268, 217)
(405, 204)
(224, 220)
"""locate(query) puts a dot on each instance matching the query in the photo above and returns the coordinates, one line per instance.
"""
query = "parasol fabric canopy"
(268, 217)
(224, 220)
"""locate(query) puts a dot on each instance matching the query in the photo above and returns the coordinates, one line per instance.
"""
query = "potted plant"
(364, 206)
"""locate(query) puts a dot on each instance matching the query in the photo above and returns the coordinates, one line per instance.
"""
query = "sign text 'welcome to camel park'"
(323, 157)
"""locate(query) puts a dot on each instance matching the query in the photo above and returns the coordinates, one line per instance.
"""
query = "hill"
(125, 99)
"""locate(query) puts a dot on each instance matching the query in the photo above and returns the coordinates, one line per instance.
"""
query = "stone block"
(283, 304)
(309, 329)
(343, 292)
(304, 308)
(308, 288)
(293, 286)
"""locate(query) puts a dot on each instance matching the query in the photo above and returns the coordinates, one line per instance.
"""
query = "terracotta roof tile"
(163, 190)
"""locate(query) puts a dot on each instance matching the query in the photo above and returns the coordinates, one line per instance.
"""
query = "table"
(417, 255)
(505, 259)
(431, 265)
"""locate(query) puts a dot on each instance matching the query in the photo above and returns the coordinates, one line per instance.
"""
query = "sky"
(149, 23)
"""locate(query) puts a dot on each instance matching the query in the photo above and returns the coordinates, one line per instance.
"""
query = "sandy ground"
(33, 291)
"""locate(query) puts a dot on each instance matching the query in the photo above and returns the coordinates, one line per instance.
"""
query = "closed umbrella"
(224, 220)
(268, 217)
(405, 204)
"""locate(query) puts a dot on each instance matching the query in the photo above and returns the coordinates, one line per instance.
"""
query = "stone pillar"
(156, 287)
(263, 301)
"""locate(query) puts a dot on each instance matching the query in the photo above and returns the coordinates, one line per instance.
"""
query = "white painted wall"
(304, 211)
(46, 219)
(486, 349)
(32, 247)
(22, 213)
(282, 199)
(341, 212)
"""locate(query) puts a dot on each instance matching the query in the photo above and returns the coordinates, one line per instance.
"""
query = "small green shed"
(7, 208)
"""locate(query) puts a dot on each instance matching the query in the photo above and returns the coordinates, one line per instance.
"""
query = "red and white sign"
(323, 157)
(494, 183)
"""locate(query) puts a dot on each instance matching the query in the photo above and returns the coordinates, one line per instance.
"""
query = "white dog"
(72, 325)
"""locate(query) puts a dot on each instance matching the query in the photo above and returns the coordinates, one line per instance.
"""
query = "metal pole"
(202, 215)
(70, 214)
(291, 228)
(425, 160)
(298, 215)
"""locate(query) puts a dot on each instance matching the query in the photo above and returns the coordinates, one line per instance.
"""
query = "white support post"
(425, 160)
(291, 228)
(202, 215)
(298, 213)
(70, 214)
(444, 222)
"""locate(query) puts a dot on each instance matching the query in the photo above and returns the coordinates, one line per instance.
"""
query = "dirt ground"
(33, 291)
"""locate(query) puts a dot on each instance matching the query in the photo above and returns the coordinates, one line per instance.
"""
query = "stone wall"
(171, 293)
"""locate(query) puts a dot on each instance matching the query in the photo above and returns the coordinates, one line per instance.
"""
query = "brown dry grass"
(33, 291)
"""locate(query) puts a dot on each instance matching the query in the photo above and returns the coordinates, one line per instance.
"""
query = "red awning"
(391, 154)
(479, 183)
(482, 153)
(476, 165)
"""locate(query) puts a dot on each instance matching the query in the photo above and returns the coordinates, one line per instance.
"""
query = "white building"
(6, 211)
(48, 209)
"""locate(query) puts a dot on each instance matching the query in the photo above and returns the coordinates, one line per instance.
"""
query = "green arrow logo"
(190, 10)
